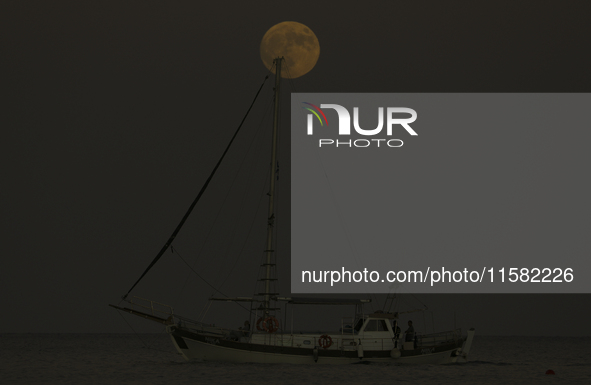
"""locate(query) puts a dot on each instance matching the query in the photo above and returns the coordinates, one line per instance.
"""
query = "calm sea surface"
(125, 358)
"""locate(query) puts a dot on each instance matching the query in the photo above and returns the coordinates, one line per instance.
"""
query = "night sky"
(115, 112)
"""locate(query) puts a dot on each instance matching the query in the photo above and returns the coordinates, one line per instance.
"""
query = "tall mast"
(271, 217)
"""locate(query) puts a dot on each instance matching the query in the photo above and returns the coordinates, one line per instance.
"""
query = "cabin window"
(376, 326)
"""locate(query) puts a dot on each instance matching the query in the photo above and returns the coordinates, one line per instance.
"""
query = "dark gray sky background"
(115, 112)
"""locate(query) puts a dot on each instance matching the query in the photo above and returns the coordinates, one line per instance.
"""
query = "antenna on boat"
(271, 213)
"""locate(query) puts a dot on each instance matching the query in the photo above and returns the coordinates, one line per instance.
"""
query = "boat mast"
(271, 217)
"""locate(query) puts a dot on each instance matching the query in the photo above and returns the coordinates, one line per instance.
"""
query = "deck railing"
(349, 342)
(438, 338)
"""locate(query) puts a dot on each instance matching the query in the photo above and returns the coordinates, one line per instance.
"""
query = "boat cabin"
(377, 325)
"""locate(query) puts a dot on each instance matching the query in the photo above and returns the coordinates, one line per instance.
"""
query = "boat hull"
(195, 346)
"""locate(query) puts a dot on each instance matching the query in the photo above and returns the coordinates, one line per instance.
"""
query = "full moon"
(296, 43)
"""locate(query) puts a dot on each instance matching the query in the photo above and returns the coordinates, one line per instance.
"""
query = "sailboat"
(367, 336)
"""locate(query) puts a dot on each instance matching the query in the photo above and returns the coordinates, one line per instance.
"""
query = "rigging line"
(184, 284)
(132, 329)
(262, 260)
(184, 219)
(236, 222)
(203, 279)
(205, 310)
(197, 274)
(211, 228)
(246, 238)
(254, 163)
(217, 217)
(276, 205)
(138, 336)
(263, 255)
(262, 195)
(270, 69)
(276, 198)
(421, 302)
(277, 186)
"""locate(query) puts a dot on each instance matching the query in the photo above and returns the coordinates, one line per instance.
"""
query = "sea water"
(151, 359)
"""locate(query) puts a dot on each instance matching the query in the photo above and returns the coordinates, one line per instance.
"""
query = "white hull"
(212, 350)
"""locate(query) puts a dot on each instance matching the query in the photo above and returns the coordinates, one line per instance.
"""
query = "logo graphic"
(310, 116)
(395, 116)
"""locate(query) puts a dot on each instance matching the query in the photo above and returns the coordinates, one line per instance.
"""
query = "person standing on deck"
(410, 332)
(245, 329)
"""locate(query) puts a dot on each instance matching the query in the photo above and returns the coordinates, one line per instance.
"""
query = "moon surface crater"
(293, 41)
